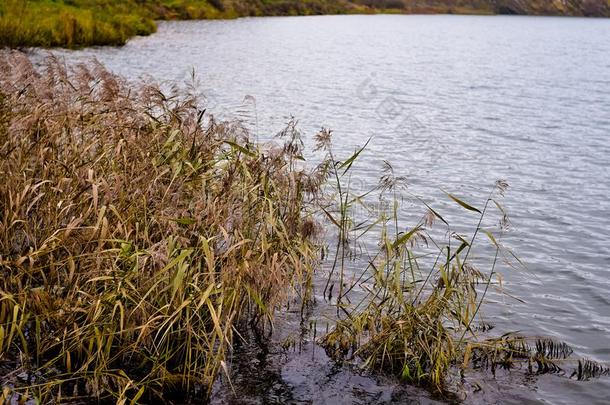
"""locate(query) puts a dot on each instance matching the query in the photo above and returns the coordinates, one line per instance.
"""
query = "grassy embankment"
(71, 23)
(76, 23)
(138, 237)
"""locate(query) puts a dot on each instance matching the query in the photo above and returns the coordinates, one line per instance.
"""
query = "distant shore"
(79, 23)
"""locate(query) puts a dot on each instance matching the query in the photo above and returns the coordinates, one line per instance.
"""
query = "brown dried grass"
(136, 234)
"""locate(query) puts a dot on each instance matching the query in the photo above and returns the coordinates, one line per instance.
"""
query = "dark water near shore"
(454, 102)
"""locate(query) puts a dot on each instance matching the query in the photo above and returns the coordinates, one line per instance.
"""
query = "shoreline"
(72, 26)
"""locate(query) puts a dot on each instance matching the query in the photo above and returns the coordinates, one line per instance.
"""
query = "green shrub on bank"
(70, 24)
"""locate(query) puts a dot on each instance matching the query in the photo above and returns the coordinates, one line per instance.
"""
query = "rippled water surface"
(454, 102)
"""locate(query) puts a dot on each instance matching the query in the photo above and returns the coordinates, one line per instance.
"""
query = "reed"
(420, 317)
(137, 235)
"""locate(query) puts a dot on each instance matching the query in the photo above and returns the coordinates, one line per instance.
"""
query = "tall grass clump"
(137, 235)
(414, 309)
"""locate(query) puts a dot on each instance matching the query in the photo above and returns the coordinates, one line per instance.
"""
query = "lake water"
(454, 102)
